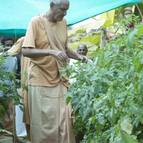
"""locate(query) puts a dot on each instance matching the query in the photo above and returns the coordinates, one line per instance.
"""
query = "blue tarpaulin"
(15, 14)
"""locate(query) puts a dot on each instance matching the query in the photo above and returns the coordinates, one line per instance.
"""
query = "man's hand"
(83, 59)
(60, 55)
(73, 55)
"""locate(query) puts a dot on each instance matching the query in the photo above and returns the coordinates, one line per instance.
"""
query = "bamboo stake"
(14, 126)
(7, 132)
(139, 11)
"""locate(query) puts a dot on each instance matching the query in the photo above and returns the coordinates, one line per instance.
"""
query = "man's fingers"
(84, 59)
(63, 57)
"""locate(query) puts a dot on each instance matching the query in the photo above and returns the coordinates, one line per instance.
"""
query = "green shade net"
(15, 14)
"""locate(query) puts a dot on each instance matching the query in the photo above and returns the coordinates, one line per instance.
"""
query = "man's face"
(60, 10)
(82, 50)
(8, 43)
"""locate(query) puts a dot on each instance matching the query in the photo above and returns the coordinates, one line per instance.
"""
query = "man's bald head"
(59, 1)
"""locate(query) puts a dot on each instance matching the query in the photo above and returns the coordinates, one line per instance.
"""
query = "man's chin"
(59, 19)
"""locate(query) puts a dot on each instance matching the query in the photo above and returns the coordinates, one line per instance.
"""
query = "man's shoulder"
(35, 19)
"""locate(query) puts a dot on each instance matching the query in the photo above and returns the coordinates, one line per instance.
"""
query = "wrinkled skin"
(58, 11)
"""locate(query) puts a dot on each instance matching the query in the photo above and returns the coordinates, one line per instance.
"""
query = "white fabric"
(20, 126)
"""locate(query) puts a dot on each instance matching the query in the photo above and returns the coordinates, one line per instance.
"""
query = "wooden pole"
(14, 126)
(139, 11)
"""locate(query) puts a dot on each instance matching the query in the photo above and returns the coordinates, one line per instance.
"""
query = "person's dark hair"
(3, 40)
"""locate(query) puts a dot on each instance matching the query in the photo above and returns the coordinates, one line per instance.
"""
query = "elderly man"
(46, 45)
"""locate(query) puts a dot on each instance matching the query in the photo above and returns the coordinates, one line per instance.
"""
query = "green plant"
(107, 95)
(8, 90)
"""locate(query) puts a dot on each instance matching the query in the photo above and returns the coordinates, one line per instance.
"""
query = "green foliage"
(107, 94)
(9, 90)
(135, 38)
(94, 39)
(91, 39)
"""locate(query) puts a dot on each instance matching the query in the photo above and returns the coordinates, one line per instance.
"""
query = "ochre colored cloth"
(44, 71)
(50, 116)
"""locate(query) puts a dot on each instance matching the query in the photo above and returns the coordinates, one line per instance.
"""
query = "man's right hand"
(62, 56)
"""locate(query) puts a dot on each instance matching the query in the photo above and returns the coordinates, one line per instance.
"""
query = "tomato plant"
(107, 94)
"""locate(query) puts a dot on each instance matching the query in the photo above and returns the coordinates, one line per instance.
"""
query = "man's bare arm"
(35, 52)
(73, 55)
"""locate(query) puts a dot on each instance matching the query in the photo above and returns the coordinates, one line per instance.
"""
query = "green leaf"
(126, 138)
(68, 99)
(126, 125)
(131, 38)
